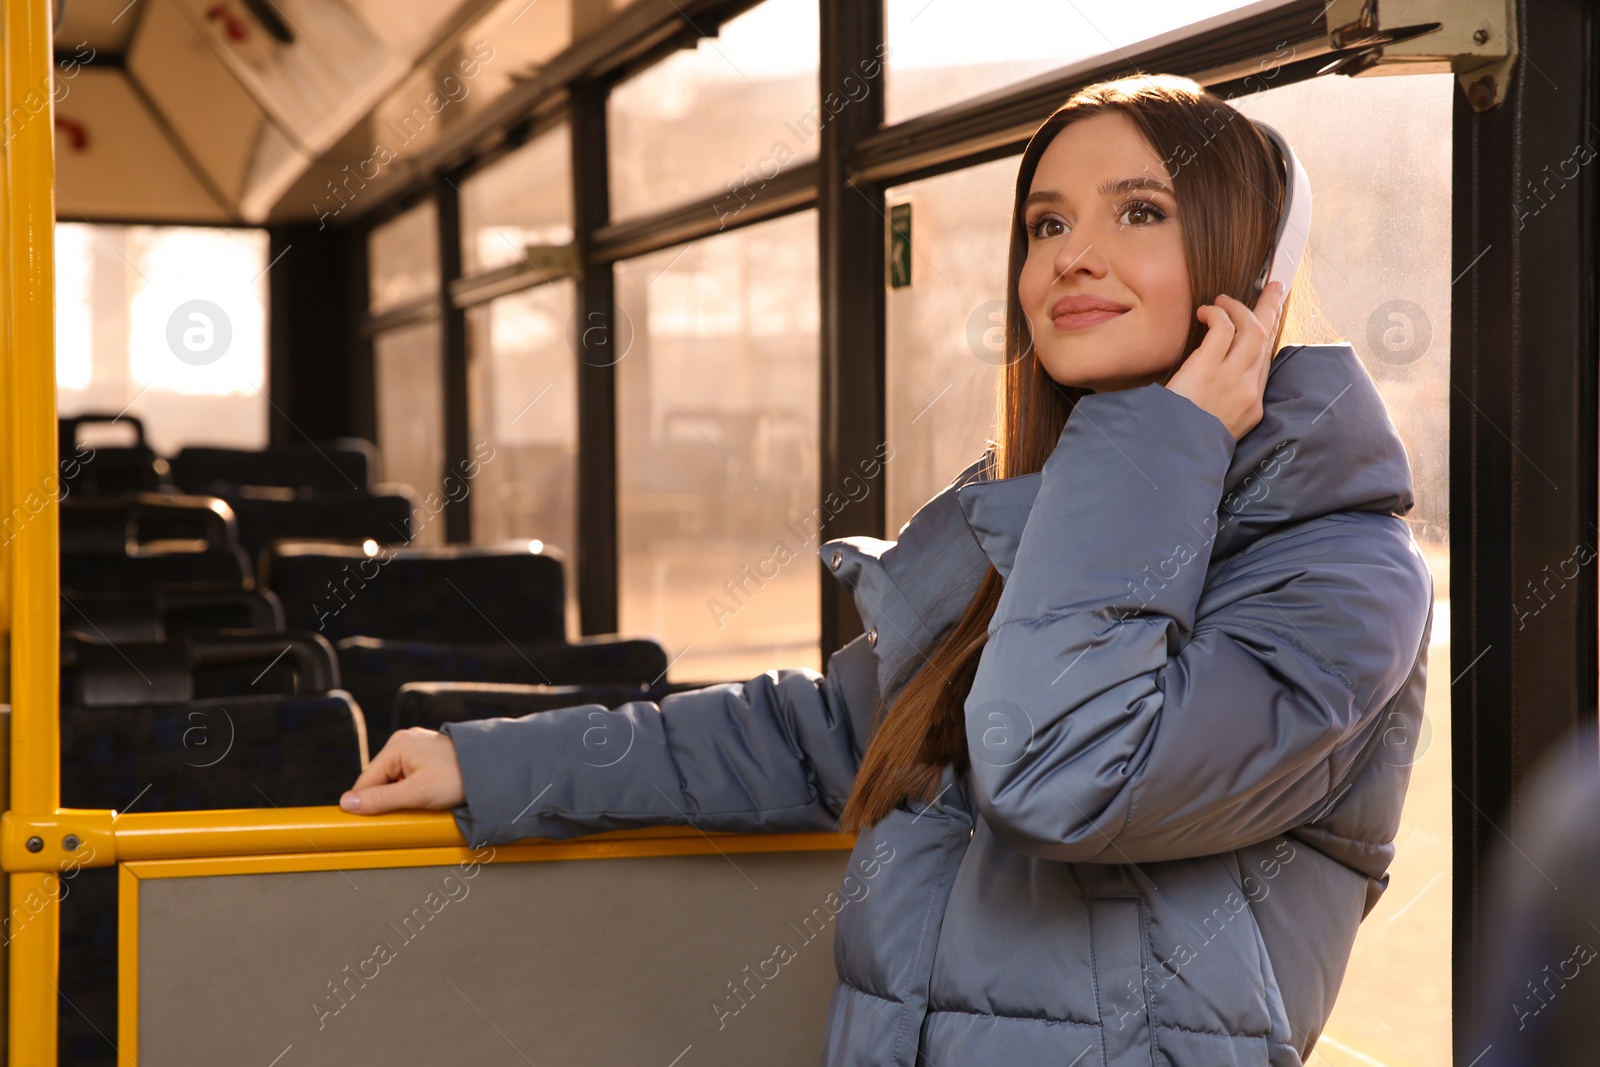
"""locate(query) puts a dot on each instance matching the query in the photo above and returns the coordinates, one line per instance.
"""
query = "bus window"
(717, 450)
(149, 319)
(523, 407)
(523, 199)
(403, 259)
(945, 329)
(754, 85)
(411, 420)
(938, 54)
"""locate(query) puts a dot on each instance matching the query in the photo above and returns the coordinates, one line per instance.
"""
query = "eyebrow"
(1109, 187)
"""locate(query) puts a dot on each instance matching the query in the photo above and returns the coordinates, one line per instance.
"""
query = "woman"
(1151, 667)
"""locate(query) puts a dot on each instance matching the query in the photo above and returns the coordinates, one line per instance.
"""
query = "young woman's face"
(1121, 246)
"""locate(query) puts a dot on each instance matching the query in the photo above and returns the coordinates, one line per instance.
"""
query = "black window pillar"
(850, 257)
(1523, 445)
(597, 340)
(315, 277)
(453, 361)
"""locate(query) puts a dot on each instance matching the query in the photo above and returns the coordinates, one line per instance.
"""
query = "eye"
(1036, 227)
(1143, 207)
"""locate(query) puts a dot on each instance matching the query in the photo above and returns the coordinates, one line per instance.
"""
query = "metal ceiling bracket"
(1474, 39)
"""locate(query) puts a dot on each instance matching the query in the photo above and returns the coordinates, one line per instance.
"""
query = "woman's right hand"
(417, 768)
(1227, 374)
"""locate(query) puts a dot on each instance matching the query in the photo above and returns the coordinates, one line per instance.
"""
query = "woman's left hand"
(1227, 374)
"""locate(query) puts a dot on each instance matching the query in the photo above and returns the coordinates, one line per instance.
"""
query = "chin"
(1072, 373)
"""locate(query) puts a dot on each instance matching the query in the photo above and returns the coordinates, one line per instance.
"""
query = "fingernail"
(350, 802)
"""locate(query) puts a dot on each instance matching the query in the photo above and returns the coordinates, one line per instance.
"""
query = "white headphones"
(1294, 224)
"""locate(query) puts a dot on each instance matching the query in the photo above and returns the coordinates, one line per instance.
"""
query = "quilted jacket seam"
(1267, 1038)
(1012, 1018)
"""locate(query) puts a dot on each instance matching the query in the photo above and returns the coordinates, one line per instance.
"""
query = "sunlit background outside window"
(118, 290)
(723, 118)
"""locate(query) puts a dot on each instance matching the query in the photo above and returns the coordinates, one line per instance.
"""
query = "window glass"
(939, 54)
(409, 377)
(945, 330)
(717, 450)
(166, 324)
(523, 387)
(725, 117)
(403, 259)
(513, 40)
(522, 199)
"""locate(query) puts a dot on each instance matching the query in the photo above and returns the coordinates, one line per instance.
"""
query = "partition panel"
(716, 947)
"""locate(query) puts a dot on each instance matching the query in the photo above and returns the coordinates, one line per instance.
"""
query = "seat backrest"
(252, 752)
(107, 470)
(156, 615)
(218, 664)
(349, 518)
(139, 522)
(374, 669)
(160, 569)
(316, 467)
(481, 595)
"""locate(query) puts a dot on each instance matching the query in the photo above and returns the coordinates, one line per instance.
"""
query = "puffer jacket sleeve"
(776, 753)
(1106, 722)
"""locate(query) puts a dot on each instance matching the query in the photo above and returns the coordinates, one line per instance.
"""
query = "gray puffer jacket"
(1190, 731)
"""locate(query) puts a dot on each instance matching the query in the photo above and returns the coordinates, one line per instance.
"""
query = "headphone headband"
(1294, 222)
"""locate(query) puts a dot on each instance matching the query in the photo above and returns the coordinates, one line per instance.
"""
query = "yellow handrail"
(28, 490)
(102, 838)
(251, 831)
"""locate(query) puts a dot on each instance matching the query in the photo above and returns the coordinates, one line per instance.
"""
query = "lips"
(1074, 312)
(1075, 305)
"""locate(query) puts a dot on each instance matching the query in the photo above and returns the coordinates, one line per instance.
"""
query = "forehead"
(1092, 150)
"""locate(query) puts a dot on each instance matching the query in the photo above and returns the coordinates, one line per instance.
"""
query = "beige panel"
(122, 166)
(601, 961)
(217, 120)
(104, 25)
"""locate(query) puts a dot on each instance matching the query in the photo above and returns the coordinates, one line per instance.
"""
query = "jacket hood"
(1325, 443)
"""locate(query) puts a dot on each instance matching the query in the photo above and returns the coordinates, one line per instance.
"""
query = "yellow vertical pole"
(28, 524)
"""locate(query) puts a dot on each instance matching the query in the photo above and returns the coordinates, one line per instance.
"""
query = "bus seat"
(347, 517)
(142, 521)
(114, 571)
(340, 466)
(142, 542)
(374, 669)
(108, 470)
(469, 594)
(157, 615)
(256, 752)
(155, 569)
(207, 665)
(245, 752)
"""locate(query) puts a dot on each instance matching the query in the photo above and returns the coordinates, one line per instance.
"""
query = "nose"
(1077, 254)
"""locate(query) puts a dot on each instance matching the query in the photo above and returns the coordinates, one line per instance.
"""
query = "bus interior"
(375, 364)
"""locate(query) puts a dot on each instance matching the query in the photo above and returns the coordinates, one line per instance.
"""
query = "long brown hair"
(1226, 180)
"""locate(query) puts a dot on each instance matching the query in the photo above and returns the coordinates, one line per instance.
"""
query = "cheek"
(1166, 292)
(1032, 283)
